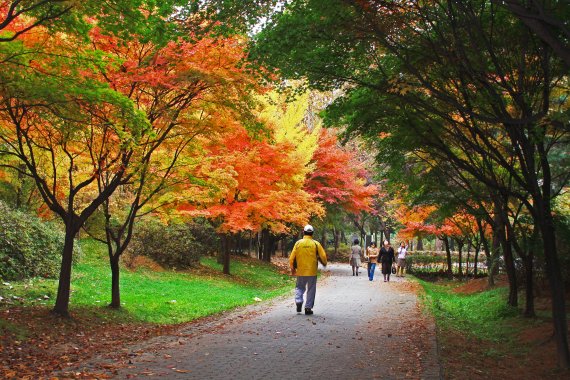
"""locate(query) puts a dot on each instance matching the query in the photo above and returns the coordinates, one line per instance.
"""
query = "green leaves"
(28, 247)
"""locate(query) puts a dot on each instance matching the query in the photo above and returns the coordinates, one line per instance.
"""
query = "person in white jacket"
(402, 250)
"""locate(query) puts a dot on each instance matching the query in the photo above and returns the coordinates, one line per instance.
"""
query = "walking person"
(372, 253)
(386, 258)
(304, 261)
(355, 254)
(402, 251)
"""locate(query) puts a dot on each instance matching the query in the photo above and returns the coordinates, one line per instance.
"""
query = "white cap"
(308, 228)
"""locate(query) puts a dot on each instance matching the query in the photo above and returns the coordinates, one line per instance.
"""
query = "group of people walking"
(385, 256)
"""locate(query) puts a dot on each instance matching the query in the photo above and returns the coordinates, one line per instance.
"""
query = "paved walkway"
(360, 330)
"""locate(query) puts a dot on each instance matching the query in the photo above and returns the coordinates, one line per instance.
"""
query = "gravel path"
(360, 330)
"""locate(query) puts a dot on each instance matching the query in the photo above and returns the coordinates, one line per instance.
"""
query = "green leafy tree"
(466, 81)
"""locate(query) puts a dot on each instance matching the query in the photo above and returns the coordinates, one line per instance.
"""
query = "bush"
(342, 254)
(427, 264)
(28, 247)
(175, 246)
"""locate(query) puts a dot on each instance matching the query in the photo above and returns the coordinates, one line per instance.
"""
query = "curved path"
(360, 330)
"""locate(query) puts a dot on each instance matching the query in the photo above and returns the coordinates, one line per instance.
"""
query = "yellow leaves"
(563, 202)
(399, 86)
(287, 120)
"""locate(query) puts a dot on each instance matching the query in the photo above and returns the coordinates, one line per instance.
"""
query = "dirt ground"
(491, 360)
(35, 343)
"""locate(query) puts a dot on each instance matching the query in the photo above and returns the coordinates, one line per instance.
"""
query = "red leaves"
(417, 222)
(339, 179)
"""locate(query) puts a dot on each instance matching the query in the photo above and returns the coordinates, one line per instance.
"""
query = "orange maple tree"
(183, 88)
(253, 185)
(339, 179)
(415, 221)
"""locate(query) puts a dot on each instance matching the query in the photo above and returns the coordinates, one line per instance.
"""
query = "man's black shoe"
(308, 311)
(299, 307)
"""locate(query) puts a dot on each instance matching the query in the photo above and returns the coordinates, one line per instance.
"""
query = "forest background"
(175, 130)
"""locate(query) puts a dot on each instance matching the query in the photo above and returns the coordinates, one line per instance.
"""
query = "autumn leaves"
(127, 118)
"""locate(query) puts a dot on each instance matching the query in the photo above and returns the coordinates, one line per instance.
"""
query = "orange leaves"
(339, 179)
(415, 221)
(262, 191)
(418, 221)
(201, 70)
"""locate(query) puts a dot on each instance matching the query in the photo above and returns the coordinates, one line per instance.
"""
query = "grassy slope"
(159, 297)
(484, 315)
(481, 337)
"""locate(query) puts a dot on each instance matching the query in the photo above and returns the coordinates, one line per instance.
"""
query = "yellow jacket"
(305, 252)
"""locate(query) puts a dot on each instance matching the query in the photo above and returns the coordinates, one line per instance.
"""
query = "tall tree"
(458, 77)
(254, 183)
(65, 129)
(548, 19)
(175, 86)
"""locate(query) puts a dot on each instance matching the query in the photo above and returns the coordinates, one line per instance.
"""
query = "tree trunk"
(467, 260)
(546, 224)
(459, 254)
(493, 258)
(511, 271)
(529, 285)
(19, 190)
(483, 241)
(222, 252)
(270, 247)
(250, 244)
(226, 244)
(115, 290)
(267, 242)
(64, 287)
(420, 245)
(501, 207)
(336, 241)
(238, 247)
(260, 246)
(476, 259)
(448, 254)
(274, 246)
(284, 246)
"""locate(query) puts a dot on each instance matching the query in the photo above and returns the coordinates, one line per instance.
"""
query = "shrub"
(175, 246)
(28, 246)
(342, 254)
(425, 263)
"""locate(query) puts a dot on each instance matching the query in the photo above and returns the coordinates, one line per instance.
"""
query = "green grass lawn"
(163, 297)
(484, 315)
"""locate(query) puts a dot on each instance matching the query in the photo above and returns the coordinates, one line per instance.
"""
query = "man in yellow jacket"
(304, 262)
